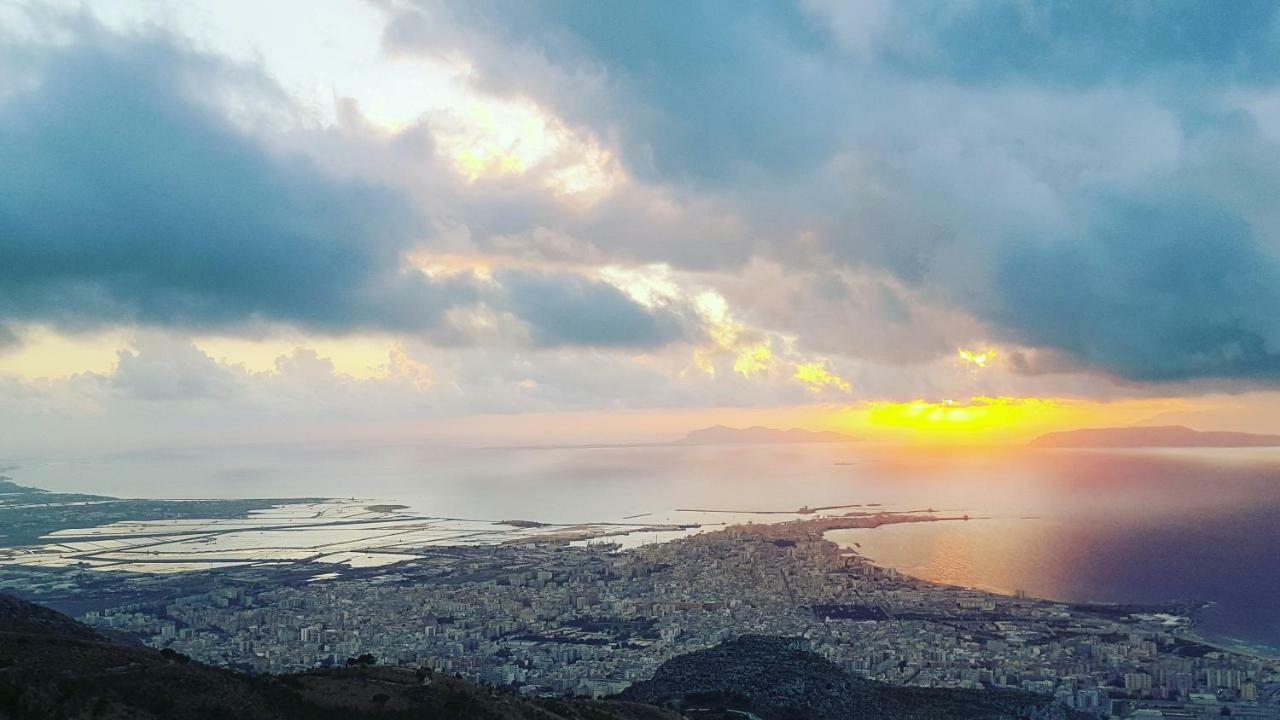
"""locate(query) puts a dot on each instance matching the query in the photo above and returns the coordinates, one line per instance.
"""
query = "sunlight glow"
(649, 285)
(977, 415)
(494, 138)
(47, 353)
(817, 378)
(498, 139)
(753, 359)
(721, 329)
(976, 358)
(401, 365)
(994, 420)
(360, 357)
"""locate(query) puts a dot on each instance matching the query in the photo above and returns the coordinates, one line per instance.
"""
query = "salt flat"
(356, 533)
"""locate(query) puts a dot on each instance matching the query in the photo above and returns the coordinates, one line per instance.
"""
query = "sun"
(975, 417)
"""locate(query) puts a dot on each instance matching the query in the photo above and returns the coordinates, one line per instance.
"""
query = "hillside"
(774, 680)
(1155, 436)
(54, 667)
(759, 435)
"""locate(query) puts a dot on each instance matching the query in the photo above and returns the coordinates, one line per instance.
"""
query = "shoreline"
(1189, 611)
(869, 517)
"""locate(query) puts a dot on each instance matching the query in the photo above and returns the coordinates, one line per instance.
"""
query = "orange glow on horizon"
(993, 420)
(977, 416)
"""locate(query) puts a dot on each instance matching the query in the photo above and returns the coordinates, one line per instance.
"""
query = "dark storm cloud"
(705, 89)
(961, 148)
(565, 309)
(959, 151)
(721, 89)
(1078, 42)
(1166, 290)
(126, 195)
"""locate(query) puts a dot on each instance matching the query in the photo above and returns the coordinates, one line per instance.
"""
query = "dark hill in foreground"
(53, 667)
(1161, 436)
(774, 680)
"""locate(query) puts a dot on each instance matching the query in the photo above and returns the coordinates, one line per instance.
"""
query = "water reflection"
(1133, 526)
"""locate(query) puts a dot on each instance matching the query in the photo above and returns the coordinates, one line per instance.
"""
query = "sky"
(522, 222)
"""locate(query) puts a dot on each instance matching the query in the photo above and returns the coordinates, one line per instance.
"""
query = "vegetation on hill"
(774, 679)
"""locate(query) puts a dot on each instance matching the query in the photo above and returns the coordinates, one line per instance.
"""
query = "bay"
(1138, 526)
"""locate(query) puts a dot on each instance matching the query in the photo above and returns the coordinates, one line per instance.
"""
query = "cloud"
(952, 155)
(567, 309)
(978, 359)
(168, 369)
(1087, 186)
(816, 377)
(1170, 289)
(127, 195)
(1076, 43)
(717, 91)
(698, 90)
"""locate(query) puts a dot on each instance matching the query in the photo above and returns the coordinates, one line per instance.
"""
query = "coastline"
(780, 578)
(811, 524)
(1191, 612)
(1261, 651)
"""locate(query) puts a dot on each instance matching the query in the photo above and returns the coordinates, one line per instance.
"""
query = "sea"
(1116, 526)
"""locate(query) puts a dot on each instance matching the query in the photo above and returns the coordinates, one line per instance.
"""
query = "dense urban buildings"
(554, 618)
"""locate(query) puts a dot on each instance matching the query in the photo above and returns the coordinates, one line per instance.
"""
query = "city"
(548, 618)
(639, 359)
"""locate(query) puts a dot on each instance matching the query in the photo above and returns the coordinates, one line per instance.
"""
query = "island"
(1153, 436)
(760, 435)
(386, 508)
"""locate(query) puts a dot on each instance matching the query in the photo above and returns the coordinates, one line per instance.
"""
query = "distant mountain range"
(716, 435)
(1155, 436)
(760, 435)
